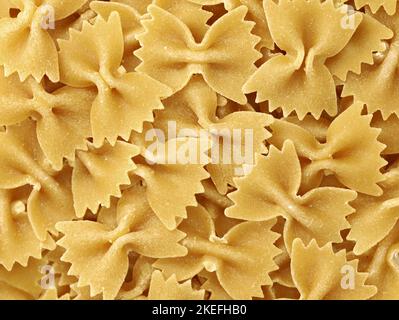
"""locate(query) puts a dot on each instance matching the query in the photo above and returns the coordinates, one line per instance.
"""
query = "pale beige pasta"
(246, 243)
(271, 190)
(199, 150)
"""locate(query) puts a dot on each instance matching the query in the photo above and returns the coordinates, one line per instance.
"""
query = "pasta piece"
(255, 13)
(191, 14)
(359, 51)
(271, 190)
(375, 217)
(327, 281)
(98, 253)
(388, 5)
(170, 289)
(63, 110)
(195, 108)
(383, 267)
(141, 278)
(377, 85)
(23, 164)
(139, 5)
(351, 151)
(99, 173)
(18, 242)
(21, 283)
(389, 132)
(212, 285)
(75, 21)
(131, 26)
(225, 57)
(169, 173)
(25, 38)
(60, 268)
(130, 20)
(125, 99)
(242, 259)
(282, 276)
(216, 204)
(83, 293)
(302, 70)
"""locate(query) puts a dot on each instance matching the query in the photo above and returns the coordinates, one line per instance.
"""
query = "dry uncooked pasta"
(199, 149)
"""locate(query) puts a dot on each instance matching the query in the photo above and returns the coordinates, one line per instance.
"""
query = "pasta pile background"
(86, 212)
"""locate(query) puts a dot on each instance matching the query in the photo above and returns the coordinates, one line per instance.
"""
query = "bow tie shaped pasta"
(18, 241)
(326, 268)
(242, 259)
(63, 110)
(351, 146)
(375, 217)
(377, 85)
(98, 251)
(99, 173)
(314, 51)
(382, 263)
(271, 190)
(195, 107)
(92, 58)
(24, 164)
(25, 39)
(164, 179)
(225, 57)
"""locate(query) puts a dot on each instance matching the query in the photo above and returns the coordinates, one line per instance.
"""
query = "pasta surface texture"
(199, 149)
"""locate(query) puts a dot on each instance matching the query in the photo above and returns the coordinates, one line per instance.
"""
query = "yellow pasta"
(199, 150)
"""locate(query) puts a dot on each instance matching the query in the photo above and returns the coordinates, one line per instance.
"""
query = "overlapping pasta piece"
(136, 160)
(389, 132)
(303, 70)
(24, 164)
(388, 5)
(242, 259)
(170, 169)
(170, 289)
(141, 274)
(383, 266)
(25, 39)
(18, 242)
(98, 251)
(92, 58)
(236, 137)
(55, 113)
(98, 174)
(225, 56)
(375, 217)
(351, 151)
(271, 189)
(21, 283)
(377, 85)
(328, 270)
(256, 13)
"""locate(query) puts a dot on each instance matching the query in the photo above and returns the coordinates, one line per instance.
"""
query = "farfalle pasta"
(29, 31)
(199, 150)
(303, 70)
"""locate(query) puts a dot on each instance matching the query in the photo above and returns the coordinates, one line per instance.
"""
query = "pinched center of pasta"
(106, 80)
(33, 15)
